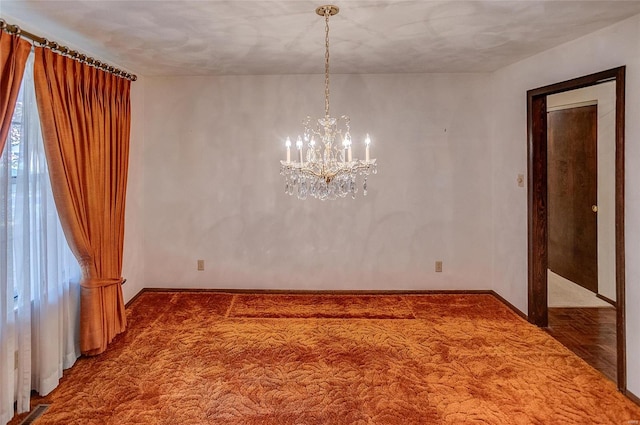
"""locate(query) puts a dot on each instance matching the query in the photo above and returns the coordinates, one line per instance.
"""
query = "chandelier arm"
(324, 174)
(306, 170)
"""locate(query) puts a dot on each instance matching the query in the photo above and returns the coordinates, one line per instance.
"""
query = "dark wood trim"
(537, 208)
(605, 299)
(322, 292)
(621, 335)
(578, 83)
(537, 203)
(135, 297)
(631, 396)
(508, 304)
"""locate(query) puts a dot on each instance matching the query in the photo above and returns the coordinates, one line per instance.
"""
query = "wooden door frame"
(537, 203)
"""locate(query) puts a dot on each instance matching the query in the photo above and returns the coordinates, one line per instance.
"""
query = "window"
(15, 136)
(37, 267)
(36, 251)
(13, 149)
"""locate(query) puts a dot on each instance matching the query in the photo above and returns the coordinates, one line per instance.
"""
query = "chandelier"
(327, 170)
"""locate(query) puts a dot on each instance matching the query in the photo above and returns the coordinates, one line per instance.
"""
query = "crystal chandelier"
(326, 170)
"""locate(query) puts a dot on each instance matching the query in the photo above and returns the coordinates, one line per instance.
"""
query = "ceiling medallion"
(325, 170)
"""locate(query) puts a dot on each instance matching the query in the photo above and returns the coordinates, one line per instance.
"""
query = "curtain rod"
(73, 54)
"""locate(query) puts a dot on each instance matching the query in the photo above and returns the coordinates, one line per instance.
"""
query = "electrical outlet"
(439, 266)
(520, 180)
(200, 265)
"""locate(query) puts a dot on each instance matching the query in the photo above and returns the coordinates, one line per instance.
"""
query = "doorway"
(538, 203)
(572, 192)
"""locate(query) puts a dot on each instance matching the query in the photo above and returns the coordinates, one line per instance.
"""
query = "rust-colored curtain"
(85, 117)
(13, 57)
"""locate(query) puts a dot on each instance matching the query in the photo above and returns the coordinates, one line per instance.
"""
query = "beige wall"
(213, 191)
(605, 96)
(133, 261)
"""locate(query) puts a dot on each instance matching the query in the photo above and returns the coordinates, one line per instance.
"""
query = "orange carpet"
(207, 358)
(321, 306)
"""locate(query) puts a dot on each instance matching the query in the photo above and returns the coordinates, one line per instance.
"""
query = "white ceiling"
(215, 37)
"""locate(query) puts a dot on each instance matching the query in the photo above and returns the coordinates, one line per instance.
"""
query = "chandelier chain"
(327, 13)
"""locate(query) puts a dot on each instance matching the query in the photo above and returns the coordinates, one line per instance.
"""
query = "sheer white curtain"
(39, 276)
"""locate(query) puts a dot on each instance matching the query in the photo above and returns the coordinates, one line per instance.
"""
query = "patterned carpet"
(207, 358)
(321, 306)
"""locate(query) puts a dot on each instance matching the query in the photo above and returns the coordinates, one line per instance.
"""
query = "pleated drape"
(13, 57)
(85, 117)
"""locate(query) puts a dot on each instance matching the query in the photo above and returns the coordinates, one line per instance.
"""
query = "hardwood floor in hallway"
(590, 333)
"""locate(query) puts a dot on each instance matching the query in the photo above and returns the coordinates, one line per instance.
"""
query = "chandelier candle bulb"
(367, 142)
(299, 146)
(288, 145)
